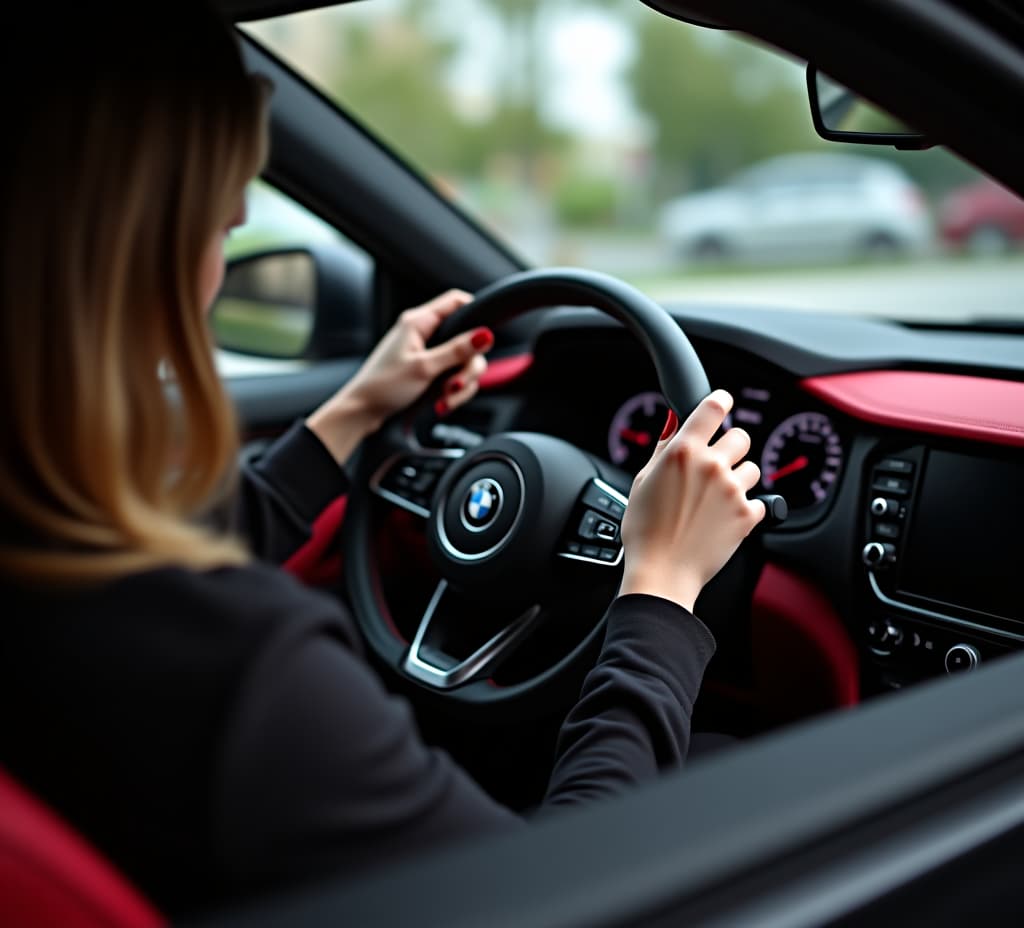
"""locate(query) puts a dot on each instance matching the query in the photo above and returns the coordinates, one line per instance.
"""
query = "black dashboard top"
(808, 344)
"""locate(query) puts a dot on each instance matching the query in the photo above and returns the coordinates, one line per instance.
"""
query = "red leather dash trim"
(316, 563)
(504, 371)
(804, 659)
(977, 408)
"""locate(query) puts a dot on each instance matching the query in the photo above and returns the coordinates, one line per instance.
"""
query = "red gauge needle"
(643, 439)
(792, 467)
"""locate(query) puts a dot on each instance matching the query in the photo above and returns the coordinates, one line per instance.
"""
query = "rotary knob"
(880, 506)
(878, 553)
(962, 657)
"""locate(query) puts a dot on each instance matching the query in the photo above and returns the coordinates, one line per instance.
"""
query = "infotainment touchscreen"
(966, 536)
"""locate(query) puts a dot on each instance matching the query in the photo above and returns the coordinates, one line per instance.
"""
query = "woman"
(208, 722)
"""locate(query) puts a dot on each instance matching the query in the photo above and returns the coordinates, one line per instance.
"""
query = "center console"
(942, 557)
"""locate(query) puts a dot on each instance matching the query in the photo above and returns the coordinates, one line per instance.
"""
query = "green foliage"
(716, 104)
(582, 201)
(393, 69)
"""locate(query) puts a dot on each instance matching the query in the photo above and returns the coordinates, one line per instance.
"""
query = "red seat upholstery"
(49, 876)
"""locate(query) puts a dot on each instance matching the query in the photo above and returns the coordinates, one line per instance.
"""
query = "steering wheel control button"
(878, 554)
(600, 500)
(961, 658)
(595, 526)
(606, 531)
(409, 480)
(598, 515)
(482, 505)
(887, 530)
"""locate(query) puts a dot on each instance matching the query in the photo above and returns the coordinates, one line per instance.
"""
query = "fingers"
(457, 351)
(758, 510)
(709, 415)
(747, 476)
(426, 318)
(733, 446)
(462, 385)
(446, 303)
(456, 398)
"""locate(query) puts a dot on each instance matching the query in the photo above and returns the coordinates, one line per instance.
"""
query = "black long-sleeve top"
(218, 733)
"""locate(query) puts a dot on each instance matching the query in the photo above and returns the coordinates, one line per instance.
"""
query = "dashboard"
(611, 407)
(902, 476)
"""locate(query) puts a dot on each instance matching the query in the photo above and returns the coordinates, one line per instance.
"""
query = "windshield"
(681, 159)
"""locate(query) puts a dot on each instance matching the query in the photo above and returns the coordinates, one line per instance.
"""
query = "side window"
(295, 288)
(274, 220)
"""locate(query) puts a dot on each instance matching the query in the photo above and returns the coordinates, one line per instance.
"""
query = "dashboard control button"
(895, 466)
(878, 554)
(887, 530)
(900, 486)
(892, 635)
(962, 657)
(880, 506)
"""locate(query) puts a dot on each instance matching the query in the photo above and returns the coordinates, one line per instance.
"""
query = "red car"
(982, 218)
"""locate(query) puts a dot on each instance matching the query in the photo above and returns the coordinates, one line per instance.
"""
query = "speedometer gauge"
(635, 430)
(802, 458)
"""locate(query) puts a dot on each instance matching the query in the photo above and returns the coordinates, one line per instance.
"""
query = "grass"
(261, 328)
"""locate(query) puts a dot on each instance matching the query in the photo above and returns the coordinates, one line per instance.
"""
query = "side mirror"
(311, 302)
(840, 115)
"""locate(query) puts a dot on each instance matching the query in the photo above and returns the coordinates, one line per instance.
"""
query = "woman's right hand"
(688, 509)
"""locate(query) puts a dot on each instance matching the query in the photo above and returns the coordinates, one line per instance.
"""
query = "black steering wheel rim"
(683, 383)
(680, 372)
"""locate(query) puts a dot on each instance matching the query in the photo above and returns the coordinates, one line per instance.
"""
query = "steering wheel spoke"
(593, 534)
(408, 479)
(429, 659)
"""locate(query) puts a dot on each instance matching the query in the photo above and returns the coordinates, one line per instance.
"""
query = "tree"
(716, 104)
(393, 69)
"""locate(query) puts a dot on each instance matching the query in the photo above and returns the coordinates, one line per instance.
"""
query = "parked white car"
(802, 207)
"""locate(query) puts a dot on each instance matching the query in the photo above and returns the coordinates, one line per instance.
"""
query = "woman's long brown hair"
(133, 145)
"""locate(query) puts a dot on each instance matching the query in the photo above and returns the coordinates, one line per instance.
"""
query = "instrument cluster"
(799, 450)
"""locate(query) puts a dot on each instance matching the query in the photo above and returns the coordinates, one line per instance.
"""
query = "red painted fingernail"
(482, 339)
(670, 425)
(441, 408)
(455, 385)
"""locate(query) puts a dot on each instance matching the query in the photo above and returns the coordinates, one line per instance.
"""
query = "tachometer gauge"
(801, 459)
(635, 430)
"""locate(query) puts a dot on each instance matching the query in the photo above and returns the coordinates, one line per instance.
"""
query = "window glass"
(606, 135)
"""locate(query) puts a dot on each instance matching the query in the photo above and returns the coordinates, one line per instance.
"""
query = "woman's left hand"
(399, 370)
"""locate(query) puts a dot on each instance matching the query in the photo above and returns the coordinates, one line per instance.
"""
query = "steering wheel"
(520, 527)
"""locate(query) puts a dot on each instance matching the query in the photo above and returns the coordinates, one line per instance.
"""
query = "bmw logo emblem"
(482, 504)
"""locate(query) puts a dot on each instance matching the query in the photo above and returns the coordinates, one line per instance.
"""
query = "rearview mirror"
(840, 115)
(312, 302)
